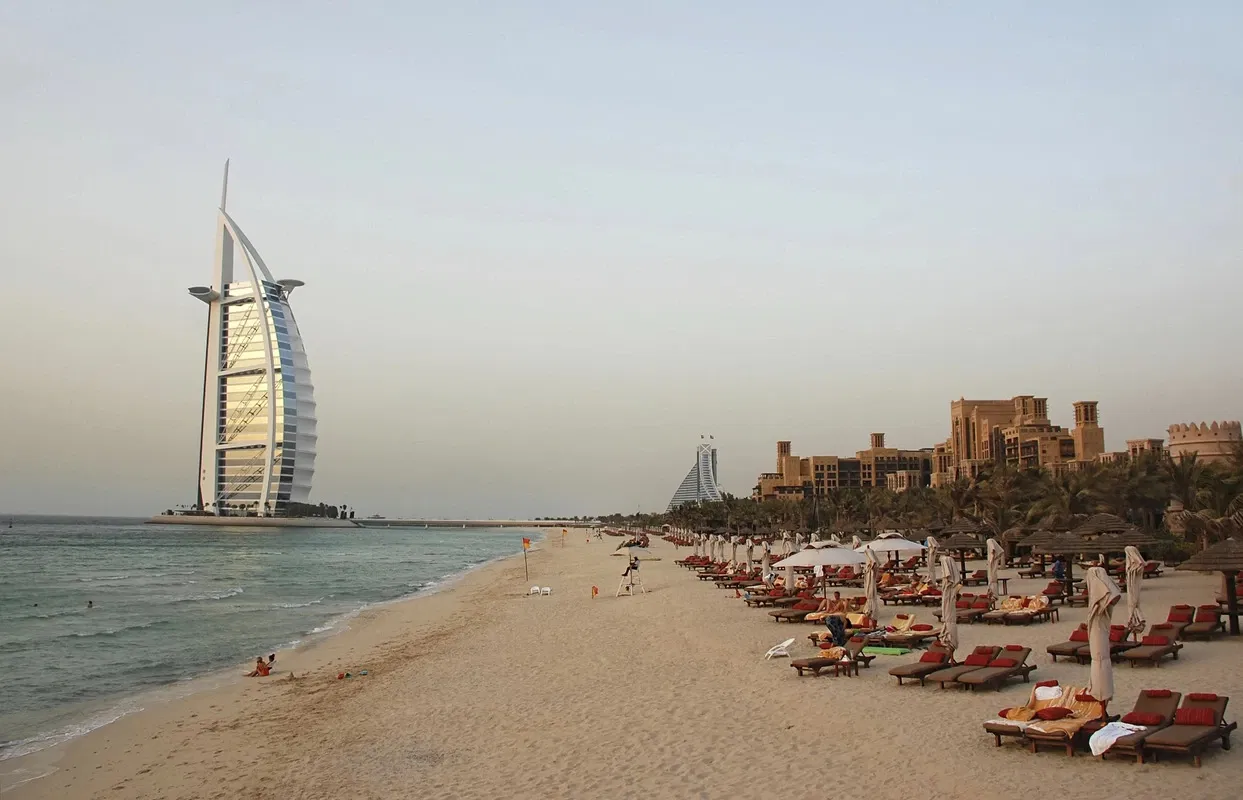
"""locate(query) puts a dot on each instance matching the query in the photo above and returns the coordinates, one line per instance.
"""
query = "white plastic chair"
(782, 649)
(546, 590)
(534, 590)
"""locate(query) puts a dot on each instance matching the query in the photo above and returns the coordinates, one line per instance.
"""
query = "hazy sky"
(547, 245)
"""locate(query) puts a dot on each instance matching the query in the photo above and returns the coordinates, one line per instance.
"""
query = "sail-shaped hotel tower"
(257, 453)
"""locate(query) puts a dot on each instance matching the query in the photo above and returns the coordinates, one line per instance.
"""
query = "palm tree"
(1184, 475)
(1067, 498)
(999, 496)
(958, 498)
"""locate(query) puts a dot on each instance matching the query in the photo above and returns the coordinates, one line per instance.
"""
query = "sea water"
(173, 603)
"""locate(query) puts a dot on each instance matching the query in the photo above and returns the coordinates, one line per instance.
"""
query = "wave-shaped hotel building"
(700, 484)
(257, 453)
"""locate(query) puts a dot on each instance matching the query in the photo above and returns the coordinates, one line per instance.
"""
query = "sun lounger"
(1038, 610)
(1206, 624)
(795, 613)
(1011, 603)
(1012, 663)
(1080, 599)
(1154, 647)
(978, 659)
(1152, 569)
(1197, 723)
(854, 646)
(935, 658)
(977, 578)
(913, 637)
(1154, 709)
(1022, 715)
(1055, 591)
(1078, 638)
(818, 665)
(1118, 644)
(973, 611)
(1067, 731)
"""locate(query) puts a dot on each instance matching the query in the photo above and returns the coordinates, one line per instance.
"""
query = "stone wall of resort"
(1211, 441)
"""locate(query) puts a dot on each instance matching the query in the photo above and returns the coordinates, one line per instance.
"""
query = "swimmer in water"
(90, 603)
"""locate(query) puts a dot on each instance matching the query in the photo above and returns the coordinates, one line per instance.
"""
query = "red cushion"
(1180, 616)
(921, 627)
(983, 650)
(1203, 696)
(1140, 718)
(1117, 635)
(932, 657)
(977, 660)
(857, 639)
(1015, 647)
(962, 604)
(1079, 635)
(1056, 712)
(1206, 616)
(1084, 697)
(1157, 692)
(1046, 683)
(1161, 641)
(1195, 716)
(1003, 662)
(1004, 713)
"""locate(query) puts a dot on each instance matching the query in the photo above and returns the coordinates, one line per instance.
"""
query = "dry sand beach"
(481, 692)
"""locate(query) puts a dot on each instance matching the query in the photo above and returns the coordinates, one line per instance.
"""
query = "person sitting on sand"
(261, 669)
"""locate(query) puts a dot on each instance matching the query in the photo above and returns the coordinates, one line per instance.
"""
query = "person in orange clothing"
(261, 669)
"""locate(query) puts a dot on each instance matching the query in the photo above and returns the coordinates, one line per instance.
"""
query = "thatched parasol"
(1119, 541)
(962, 525)
(1226, 557)
(1012, 537)
(1101, 523)
(1061, 544)
(961, 542)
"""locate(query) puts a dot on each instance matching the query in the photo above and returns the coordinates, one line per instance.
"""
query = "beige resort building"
(1017, 432)
(815, 476)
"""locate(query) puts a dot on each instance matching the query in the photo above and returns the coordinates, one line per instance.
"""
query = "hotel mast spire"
(224, 188)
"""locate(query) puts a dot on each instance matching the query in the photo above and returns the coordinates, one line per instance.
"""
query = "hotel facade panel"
(257, 453)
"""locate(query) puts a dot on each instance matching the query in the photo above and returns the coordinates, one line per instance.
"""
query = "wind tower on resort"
(257, 448)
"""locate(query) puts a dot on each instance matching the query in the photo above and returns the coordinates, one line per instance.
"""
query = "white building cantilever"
(257, 453)
(699, 485)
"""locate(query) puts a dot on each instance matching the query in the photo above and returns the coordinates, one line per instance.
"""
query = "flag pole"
(525, 570)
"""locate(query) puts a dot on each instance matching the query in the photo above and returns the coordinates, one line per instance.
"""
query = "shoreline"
(119, 708)
(481, 692)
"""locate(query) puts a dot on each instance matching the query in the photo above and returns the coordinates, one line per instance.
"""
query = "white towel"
(1104, 739)
(1048, 692)
(1012, 722)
